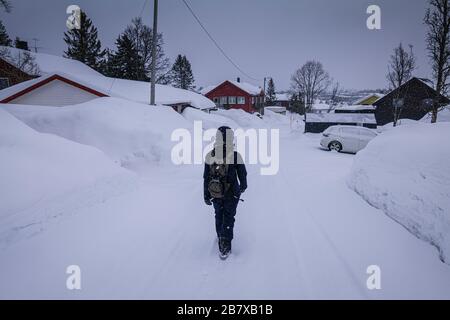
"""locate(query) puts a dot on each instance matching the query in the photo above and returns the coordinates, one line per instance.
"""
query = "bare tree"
(141, 36)
(400, 69)
(437, 19)
(23, 60)
(401, 66)
(310, 81)
(335, 92)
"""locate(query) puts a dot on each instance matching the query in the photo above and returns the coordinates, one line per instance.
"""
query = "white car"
(346, 138)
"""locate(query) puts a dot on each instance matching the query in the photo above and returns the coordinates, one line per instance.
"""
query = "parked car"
(346, 138)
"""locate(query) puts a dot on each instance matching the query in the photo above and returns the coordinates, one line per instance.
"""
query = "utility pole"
(264, 97)
(35, 44)
(155, 39)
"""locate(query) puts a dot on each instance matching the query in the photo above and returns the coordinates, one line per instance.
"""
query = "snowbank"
(242, 118)
(271, 117)
(443, 116)
(406, 173)
(38, 168)
(131, 133)
(209, 120)
(235, 118)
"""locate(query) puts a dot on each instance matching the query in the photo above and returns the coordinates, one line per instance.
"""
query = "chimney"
(238, 80)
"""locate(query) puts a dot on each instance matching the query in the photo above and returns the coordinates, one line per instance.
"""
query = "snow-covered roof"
(355, 107)
(48, 63)
(16, 89)
(138, 91)
(207, 89)
(276, 109)
(361, 100)
(321, 106)
(341, 117)
(283, 97)
(247, 87)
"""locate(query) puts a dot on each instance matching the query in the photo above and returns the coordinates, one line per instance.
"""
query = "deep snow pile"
(235, 119)
(406, 173)
(132, 134)
(209, 120)
(242, 118)
(443, 116)
(38, 169)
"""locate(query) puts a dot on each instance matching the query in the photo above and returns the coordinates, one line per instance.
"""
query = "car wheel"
(335, 146)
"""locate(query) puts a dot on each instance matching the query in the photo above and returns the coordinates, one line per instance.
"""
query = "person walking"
(224, 180)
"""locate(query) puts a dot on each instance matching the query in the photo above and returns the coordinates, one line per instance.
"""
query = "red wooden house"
(236, 95)
(11, 75)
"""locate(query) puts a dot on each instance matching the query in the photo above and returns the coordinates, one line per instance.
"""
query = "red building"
(236, 95)
(11, 75)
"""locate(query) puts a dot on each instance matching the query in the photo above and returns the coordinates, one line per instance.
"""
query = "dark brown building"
(413, 100)
(11, 75)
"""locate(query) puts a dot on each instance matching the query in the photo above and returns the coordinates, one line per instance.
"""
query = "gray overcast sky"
(265, 38)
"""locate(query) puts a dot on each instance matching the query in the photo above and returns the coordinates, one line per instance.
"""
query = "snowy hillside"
(405, 173)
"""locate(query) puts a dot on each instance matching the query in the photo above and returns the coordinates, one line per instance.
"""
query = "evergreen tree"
(4, 37)
(125, 62)
(21, 44)
(271, 96)
(83, 44)
(297, 103)
(181, 74)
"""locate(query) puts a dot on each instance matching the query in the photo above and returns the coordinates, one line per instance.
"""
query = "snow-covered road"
(299, 234)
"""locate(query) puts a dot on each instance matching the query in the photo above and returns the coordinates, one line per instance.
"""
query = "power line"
(216, 44)
(143, 8)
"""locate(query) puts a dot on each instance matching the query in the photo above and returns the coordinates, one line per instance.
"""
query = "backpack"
(218, 184)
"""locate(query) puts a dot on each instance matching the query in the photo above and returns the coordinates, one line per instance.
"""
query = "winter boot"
(225, 249)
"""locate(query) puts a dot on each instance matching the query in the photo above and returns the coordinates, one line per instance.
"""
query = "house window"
(231, 100)
(223, 101)
(4, 83)
(241, 100)
(253, 100)
(216, 100)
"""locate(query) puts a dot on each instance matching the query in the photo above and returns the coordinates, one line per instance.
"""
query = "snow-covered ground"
(299, 234)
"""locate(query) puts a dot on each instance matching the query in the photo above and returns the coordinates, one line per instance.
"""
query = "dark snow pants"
(225, 210)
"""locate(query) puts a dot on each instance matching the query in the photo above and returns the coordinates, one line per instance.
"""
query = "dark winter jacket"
(236, 170)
